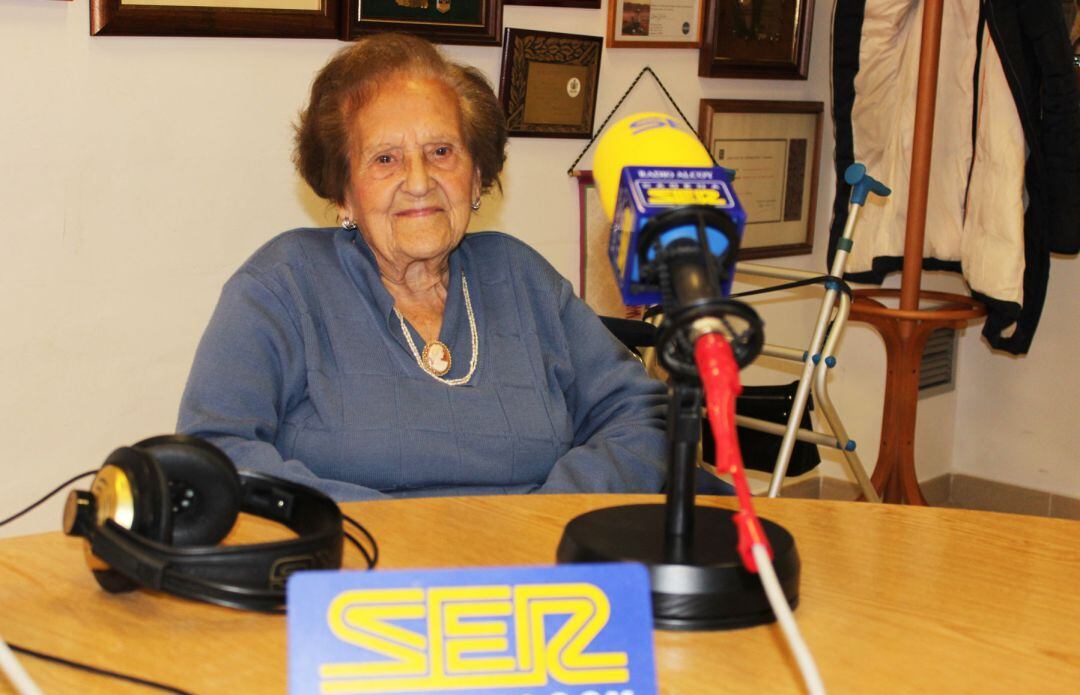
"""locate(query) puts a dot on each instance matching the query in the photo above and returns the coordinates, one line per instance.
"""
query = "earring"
(475, 205)
(347, 223)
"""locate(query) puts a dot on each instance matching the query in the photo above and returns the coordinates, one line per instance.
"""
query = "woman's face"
(412, 180)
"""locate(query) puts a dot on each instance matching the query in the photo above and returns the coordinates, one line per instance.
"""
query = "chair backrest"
(633, 333)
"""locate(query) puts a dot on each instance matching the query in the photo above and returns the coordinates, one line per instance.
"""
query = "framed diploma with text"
(654, 23)
(268, 18)
(476, 22)
(760, 39)
(774, 147)
(549, 82)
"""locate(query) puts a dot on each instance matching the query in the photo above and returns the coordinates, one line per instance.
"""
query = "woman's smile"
(419, 212)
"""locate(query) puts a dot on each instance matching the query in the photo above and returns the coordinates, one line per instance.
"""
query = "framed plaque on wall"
(760, 39)
(549, 82)
(774, 147)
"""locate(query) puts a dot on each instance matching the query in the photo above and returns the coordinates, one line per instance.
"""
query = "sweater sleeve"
(617, 411)
(249, 371)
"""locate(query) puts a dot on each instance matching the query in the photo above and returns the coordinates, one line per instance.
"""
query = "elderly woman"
(396, 355)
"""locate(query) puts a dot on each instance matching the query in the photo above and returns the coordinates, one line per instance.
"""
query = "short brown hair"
(351, 79)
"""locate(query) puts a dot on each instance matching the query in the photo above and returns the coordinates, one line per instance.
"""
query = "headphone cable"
(46, 497)
(96, 670)
(372, 557)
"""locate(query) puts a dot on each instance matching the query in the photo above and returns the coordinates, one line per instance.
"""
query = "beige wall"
(1016, 417)
(137, 173)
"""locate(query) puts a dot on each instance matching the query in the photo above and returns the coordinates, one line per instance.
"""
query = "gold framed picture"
(549, 82)
(774, 148)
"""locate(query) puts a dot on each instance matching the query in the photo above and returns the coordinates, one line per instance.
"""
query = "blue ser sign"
(563, 630)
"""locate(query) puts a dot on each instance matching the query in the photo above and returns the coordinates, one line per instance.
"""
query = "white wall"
(137, 173)
(1016, 417)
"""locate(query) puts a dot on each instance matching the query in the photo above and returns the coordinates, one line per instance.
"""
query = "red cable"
(720, 378)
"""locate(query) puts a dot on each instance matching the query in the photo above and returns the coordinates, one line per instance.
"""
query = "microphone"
(676, 229)
(676, 221)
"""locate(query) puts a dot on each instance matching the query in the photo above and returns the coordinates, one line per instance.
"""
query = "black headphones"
(157, 510)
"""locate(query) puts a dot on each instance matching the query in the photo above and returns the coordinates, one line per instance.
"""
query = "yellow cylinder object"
(643, 139)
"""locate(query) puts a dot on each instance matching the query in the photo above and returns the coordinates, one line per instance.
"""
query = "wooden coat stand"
(906, 329)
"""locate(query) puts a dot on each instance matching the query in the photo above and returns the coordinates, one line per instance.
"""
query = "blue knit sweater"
(304, 373)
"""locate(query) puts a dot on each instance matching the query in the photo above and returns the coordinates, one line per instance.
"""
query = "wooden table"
(894, 600)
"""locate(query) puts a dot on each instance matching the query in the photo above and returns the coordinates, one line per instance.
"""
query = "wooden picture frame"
(637, 24)
(760, 39)
(549, 82)
(244, 18)
(471, 22)
(596, 279)
(774, 148)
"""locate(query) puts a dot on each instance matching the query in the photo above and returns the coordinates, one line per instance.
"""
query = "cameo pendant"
(436, 357)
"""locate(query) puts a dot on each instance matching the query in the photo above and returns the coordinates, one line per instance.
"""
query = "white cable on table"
(780, 607)
(15, 673)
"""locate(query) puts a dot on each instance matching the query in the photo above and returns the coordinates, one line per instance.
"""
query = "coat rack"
(905, 329)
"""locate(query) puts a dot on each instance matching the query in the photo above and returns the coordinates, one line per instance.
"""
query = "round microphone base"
(707, 587)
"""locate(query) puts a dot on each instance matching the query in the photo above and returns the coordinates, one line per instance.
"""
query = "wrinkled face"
(412, 180)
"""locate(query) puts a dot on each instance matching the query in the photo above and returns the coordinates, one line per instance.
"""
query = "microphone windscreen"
(642, 139)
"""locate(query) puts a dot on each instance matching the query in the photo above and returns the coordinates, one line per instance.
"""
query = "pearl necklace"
(422, 362)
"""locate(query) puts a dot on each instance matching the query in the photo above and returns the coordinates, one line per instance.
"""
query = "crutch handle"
(863, 184)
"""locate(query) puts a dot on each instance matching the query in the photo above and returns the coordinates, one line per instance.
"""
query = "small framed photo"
(596, 283)
(475, 22)
(759, 39)
(774, 147)
(651, 24)
(266, 18)
(549, 82)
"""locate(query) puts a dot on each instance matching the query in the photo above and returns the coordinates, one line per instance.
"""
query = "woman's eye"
(384, 159)
(442, 151)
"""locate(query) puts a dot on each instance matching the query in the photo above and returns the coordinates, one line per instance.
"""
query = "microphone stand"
(683, 430)
(698, 581)
(697, 577)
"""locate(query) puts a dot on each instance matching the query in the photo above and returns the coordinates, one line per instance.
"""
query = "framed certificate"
(774, 147)
(654, 24)
(477, 22)
(549, 82)
(759, 39)
(270, 18)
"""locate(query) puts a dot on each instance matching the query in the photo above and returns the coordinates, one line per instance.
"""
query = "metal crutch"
(862, 184)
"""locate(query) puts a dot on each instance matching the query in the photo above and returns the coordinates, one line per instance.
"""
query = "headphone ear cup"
(149, 493)
(204, 492)
(151, 514)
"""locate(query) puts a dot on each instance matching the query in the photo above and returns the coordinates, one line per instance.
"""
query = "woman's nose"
(417, 176)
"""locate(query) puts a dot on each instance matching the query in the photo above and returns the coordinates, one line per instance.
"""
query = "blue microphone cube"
(646, 192)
